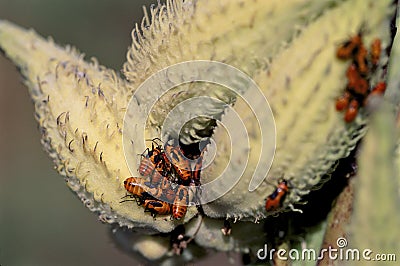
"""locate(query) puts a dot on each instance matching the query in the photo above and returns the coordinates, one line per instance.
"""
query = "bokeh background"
(41, 221)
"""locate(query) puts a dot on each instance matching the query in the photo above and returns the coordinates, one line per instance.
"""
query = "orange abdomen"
(275, 200)
(155, 207)
(134, 186)
(178, 211)
(375, 51)
(179, 162)
(347, 50)
(351, 112)
(179, 207)
(146, 167)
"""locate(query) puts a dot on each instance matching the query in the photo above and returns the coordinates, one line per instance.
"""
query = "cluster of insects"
(356, 94)
(167, 174)
(363, 65)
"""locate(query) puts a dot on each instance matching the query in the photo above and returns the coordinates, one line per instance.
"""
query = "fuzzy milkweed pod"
(94, 123)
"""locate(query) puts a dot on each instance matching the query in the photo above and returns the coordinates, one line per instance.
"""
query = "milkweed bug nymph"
(155, 207)
(351, 112)
(179, 207)
(275, 200)
(375, 51)
(135, 186)
(349, 48)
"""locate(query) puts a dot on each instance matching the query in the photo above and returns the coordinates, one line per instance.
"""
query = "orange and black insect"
(157, 175)
(146, 167)
(356, 83)
(179, 162)
(352, 111)
(155, 153)
(349, 48)
(160, 161)
(274, 201)
(168, 192)
(179, 207)
(155, 207)
(379, 88)
(197, 169)
(343, 101)
(163, 191)
(375, 51)
(352, 76)
(137, 189)
(150, 160)
(361, 87)
(362, 61)
(135, 185)
(167, 166)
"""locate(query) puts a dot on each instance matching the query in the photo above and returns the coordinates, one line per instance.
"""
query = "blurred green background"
(41, 221)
